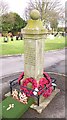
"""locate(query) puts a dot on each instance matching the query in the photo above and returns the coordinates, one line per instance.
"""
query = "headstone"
(34, 35)
(6, 39)
(11, 38)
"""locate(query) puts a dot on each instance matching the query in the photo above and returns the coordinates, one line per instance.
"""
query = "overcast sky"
(18, 6)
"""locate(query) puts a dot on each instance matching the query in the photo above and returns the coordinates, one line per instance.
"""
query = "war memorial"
(33, 88)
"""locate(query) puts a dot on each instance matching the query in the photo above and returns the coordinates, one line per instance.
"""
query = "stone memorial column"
(34, 35)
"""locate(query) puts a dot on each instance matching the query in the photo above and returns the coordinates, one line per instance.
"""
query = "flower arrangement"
(28, 91)
(21, 97)
(20, 77)
(44, 86)
(15, 94)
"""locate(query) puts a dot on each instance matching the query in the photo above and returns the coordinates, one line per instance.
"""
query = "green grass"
(56, 43)
(11, 47)
(17, 46)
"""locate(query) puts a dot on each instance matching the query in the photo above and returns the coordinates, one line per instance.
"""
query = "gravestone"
(34, 35)
(6, 39)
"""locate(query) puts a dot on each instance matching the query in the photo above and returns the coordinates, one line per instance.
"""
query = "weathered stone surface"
(45, 102)
(33, 58)
(34, 34)
(34, 14)
(34, 28)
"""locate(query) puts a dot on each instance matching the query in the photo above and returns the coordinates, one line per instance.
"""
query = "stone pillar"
(34, 35)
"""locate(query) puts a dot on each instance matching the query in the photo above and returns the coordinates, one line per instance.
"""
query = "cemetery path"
(15, 64)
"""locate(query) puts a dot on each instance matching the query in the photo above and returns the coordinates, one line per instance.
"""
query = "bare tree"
(3, 7)
(49, 9)
(3, 10)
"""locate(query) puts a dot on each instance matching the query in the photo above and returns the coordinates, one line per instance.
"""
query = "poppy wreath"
(25, 89)
(20, 77)
(45, 85)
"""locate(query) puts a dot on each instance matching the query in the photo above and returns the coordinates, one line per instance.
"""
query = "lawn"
(17, 46)
(11, 47)
(56, 43)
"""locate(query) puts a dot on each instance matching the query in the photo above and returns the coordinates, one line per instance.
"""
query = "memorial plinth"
(34, 35)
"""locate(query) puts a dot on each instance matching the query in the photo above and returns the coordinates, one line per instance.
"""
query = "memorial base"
(45, 102)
